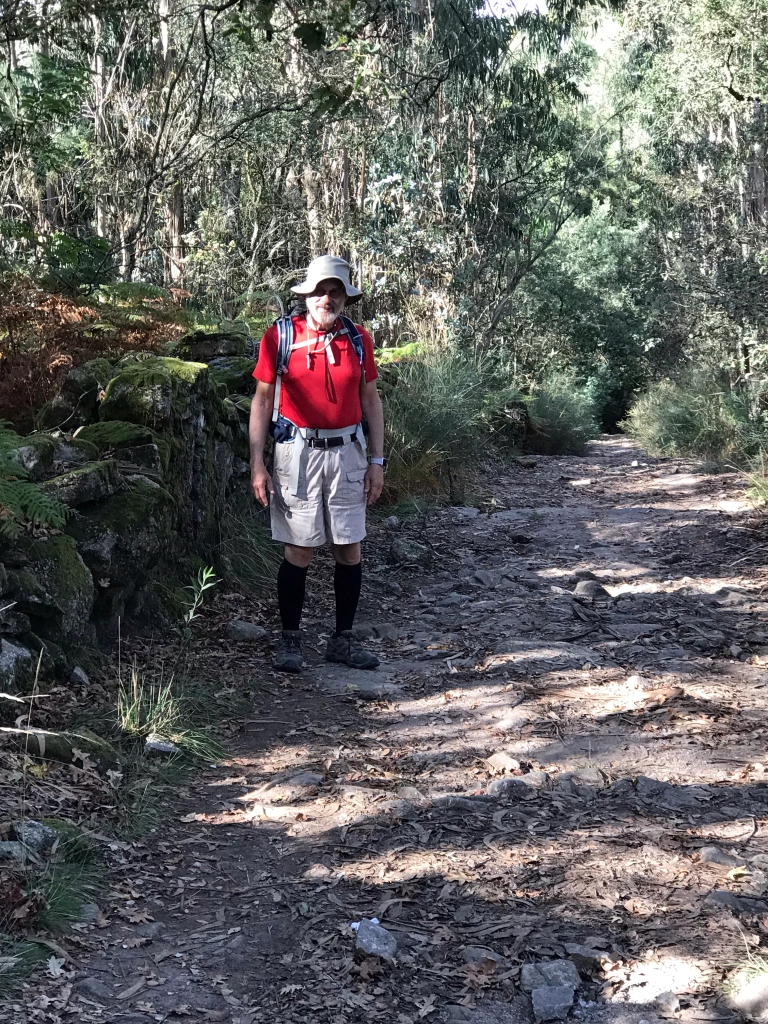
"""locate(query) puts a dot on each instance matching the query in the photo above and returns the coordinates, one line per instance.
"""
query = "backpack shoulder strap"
(285, 334)
(357, 341)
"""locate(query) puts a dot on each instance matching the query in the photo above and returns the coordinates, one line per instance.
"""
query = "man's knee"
(346, 554)
(298, 556)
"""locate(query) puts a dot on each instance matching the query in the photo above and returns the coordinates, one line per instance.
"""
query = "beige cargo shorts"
(330, 504)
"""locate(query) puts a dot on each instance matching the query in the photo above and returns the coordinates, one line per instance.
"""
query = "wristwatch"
(378, 462)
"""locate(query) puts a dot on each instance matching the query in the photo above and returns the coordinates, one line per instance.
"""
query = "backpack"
(285, 347)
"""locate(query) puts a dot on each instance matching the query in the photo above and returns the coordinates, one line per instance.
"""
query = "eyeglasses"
(329, 288)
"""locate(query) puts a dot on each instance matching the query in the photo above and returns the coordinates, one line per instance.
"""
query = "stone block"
(552, 1002)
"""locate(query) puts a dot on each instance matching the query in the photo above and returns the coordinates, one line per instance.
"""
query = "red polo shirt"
(316, 392)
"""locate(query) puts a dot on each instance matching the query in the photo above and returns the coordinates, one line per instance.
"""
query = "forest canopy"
(565, 191)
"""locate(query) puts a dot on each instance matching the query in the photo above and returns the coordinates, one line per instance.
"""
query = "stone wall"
(145, 452)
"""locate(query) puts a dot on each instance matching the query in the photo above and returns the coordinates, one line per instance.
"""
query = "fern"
(22, 503)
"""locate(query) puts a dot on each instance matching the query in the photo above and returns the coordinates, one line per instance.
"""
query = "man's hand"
(374, 482)
(261, 483)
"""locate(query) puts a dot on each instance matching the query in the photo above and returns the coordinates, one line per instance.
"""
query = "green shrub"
(563, 417)
(698, 417)
(433, 419)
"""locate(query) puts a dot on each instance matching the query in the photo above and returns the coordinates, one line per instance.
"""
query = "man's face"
(326, 302)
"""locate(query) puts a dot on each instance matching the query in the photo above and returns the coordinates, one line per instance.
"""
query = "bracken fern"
(22, 503)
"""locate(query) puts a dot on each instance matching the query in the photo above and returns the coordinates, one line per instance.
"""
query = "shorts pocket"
(354, 486)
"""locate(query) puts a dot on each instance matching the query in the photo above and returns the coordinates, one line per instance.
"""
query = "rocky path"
(560, 763)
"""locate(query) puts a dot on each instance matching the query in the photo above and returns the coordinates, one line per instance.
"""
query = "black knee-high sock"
(291, 584)
(347, 581)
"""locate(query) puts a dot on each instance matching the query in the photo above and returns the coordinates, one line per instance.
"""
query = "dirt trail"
(571, 707)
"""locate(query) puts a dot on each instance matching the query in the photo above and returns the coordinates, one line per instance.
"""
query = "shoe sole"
(285, 668)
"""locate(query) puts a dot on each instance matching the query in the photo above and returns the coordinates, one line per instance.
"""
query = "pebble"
(156, 745)
(591, 590)
(243, 632)
(714, 855)
(667, 1004)
(35, 836)
(390, 522)
(79, 677)
(375, 940)
(479, 954)
(13, 851)
(503, 762)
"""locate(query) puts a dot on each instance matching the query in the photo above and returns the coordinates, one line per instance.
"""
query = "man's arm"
(370, 400)
(258, 428)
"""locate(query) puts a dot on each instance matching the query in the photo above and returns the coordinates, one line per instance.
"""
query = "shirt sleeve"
(369, 361)
(266, 371)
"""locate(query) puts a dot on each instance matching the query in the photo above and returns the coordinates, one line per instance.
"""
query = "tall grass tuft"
(246, 552)
(144, 708)
(563, 417)
(699, 417)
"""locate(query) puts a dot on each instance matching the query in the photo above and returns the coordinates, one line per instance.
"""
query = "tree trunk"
(311, 181)
(174, 220)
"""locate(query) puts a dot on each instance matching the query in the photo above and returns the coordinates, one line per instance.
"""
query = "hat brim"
(307, 287)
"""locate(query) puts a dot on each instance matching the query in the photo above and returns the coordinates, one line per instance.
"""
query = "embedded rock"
(243, 632)
(120, 539)
(406, 551)
(540, 656)
(375, 940)
(78, 400)
(234, 372)
(35, 835)
(552, 1002)
(16, 666)
(93, 482)
(55, 589)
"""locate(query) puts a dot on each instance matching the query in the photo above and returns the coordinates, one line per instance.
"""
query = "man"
(322, 478)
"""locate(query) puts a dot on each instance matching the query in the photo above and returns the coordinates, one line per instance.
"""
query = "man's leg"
(343, 646)
(291, 585)
(347, 581)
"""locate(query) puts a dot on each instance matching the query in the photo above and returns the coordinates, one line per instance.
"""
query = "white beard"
(322, 321)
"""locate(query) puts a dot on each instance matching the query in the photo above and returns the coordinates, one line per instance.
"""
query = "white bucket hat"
(323, 268)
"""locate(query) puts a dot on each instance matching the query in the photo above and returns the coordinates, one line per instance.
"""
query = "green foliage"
(205, 580)
(562, 417)
(246, 552)
(22, 503)
(146, 707)
(699, 416)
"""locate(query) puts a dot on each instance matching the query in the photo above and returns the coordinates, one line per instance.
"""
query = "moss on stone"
(56, 588)
(89, 450)
(78, 400)
(236, 372)
(92, 482)
(36, 454)
(112, 435)
(154, 392)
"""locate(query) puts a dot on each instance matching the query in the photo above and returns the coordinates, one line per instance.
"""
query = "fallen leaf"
(132, 990)
(55, 966)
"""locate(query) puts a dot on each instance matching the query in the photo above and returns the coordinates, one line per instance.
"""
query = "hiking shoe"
(345, 648)
(289, 657)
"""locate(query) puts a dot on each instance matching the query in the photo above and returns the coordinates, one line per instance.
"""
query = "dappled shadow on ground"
(514, 791)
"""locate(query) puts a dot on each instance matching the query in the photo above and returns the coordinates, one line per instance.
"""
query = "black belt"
(328, 442)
